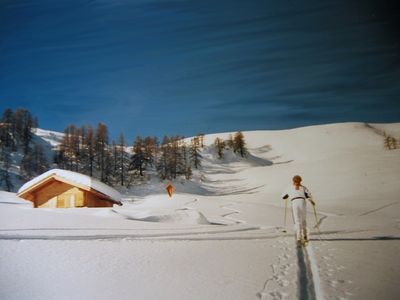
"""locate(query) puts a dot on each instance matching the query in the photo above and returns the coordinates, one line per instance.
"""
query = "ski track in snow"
(379, 208)
(185, 205)
(173, 235)
(227, 216)
(233, 211)
(309, 285)
(273, 286)
(318, 291)
(306, 289)
(228, 233)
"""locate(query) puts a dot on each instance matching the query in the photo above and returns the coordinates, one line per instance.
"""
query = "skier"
(298, 194)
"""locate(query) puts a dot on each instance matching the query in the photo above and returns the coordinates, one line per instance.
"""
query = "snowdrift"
(182, 216)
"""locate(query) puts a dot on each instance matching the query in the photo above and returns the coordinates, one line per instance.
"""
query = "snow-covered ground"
(53, 138)
(222, 237)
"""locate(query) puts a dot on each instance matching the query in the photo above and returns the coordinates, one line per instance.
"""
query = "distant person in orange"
(297, 194)
(170, 189)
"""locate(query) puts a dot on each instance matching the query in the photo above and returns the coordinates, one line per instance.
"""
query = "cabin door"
(66, 200)
(61, 201)
(71, 200)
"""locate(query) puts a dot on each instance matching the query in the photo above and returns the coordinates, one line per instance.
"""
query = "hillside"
(221, 235)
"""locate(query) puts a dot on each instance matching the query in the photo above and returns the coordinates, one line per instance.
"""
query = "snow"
(11, 198)
(220, 236)
(77, 178)
(51, 137)
(319, 292)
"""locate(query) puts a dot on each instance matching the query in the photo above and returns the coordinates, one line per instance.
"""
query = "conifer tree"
(389, 142)
(34, 162)
(59, 158)
(70, 148)
(77, 148)
(150, 150)
(7, 130)
(239, 144)
(108, 166)
(23, 123)
(173, 157)
(83, 154)
(194, 152)
(5, 165)
(138, 158)
(386, 141)
(220, 146)
(115, 161)
(101, 150)
(123, 160)
(41, 164)
(163, 161)
(201, 139)
(187, 168)
(91, 150)
(177, 166)
(229, 142)
(6, 145)
(393, 142)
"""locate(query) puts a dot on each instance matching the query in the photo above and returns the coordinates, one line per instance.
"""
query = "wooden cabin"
(65, 189)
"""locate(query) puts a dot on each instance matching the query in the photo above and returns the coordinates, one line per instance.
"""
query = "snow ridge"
(319, 293)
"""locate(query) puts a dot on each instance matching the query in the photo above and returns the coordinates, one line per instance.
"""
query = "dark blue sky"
(183, 67)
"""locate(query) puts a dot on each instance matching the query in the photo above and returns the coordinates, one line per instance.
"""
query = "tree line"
(16, 135)
(90, 151)
(235, 142)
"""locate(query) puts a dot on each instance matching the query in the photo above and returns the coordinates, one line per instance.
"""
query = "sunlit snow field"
(221, 236)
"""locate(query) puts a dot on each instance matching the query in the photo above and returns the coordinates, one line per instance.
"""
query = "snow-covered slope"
(53, 138)
(337, 162)
(220, 236)
(48, 140)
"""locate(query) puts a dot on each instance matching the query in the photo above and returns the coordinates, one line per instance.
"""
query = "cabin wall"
(94, 201)
(74, 197)
(56, 194)
(52, 203)
(41, 196)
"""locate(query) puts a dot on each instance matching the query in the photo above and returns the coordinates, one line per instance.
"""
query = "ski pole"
(316, 222)
(284, 230)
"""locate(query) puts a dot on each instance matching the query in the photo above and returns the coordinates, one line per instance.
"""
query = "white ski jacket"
(292, 193)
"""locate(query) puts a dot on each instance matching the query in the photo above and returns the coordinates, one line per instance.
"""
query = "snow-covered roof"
(77, 178)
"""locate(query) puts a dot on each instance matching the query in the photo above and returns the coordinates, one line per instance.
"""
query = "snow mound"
(181, 216)
(12, 198)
